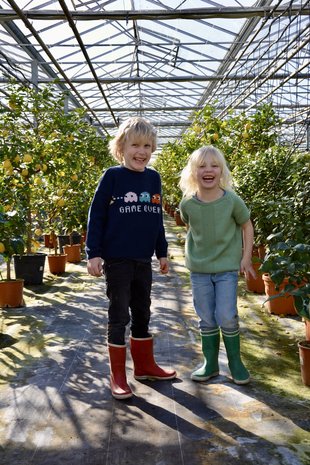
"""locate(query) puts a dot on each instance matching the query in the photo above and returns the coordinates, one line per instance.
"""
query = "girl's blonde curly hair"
(188, 181)
(137, 127)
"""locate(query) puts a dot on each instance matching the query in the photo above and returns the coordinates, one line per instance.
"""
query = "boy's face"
(137, 152)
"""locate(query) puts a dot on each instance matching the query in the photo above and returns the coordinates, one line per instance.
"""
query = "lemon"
(38, 181)
(7, 164)
(74, 177)
(38, 232)
(12, 105)
(25, 172)
(2, 247)
(27, 158)
(60, 202)
(44, 167)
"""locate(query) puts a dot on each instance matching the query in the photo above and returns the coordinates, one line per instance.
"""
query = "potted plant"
(11, 242)
(289, 260)
(26, 161)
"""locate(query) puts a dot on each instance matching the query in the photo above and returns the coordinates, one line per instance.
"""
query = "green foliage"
(270, 178)
(290, 259)
(170, 163)
(51, 160)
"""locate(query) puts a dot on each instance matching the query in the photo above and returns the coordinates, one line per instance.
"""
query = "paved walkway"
(56, 407)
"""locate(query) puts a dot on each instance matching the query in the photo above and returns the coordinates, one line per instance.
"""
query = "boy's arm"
(248, 240)
(163, 265)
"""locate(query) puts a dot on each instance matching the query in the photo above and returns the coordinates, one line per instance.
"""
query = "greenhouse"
(149, 149)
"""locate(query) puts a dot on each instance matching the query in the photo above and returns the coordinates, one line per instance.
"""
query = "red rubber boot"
(118, 381)
(145, 366)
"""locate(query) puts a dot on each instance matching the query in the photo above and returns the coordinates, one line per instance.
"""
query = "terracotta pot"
(11, 293)
(73, 253)
(261, 251)
(307, 328)
(171, 212)
(304, 357)
(57, 263)
(255, 285)
(178, 219)
(280, 305)
(50, 240)
(83, 240)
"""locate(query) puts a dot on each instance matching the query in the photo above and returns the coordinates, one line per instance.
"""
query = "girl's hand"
(94, 266)
(163, 265)
(247, 268)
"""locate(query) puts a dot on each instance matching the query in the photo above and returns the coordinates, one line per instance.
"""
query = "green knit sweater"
(214, 239)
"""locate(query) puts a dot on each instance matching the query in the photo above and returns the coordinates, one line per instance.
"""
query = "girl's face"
(208, 173)
(137, 152)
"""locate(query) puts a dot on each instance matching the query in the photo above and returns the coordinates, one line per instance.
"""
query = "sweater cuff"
(92, 253)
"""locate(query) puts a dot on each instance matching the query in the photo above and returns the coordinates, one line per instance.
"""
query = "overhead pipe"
(153, 15)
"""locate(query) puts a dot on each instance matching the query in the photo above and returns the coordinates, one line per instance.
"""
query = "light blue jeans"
(215, 300)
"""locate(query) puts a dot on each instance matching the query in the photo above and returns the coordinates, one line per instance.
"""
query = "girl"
(125, 228)
(217, 221)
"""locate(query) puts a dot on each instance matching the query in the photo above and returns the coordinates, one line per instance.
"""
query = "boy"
(125, 228)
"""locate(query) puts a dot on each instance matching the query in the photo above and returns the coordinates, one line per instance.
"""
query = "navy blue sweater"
(125, 216)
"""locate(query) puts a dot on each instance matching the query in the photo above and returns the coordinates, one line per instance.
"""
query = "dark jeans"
(129, 285)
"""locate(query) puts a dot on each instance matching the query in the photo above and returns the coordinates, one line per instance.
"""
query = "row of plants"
(50, 164)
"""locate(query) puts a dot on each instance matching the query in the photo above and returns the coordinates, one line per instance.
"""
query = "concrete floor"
(56, 407)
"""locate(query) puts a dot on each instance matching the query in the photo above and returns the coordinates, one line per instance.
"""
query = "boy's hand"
(163, 265)
(94, 266)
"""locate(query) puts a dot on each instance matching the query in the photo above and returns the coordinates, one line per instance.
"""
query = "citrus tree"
(69, 188)
(24, 154)
(49, 159)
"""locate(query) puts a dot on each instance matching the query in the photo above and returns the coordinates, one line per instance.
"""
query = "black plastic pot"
(30, 267)
(75, 238)
(63, 240)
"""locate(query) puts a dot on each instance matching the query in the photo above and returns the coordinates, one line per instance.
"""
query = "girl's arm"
(248, 240)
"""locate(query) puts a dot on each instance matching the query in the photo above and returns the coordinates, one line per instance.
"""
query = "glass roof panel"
(162, 59)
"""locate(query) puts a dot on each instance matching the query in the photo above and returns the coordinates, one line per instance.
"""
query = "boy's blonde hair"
(132, 127)
(188, 181)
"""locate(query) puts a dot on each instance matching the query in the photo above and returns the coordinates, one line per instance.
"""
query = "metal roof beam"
(84, 51)
(192, 108)
(29, 25)
(189, 78)
(153, 15)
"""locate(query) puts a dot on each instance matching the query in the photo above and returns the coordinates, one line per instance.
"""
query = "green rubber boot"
(238, 371)
(210, 342)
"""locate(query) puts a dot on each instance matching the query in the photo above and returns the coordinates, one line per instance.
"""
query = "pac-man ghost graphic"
(156, 198)
(130, 197)
(144, 197)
